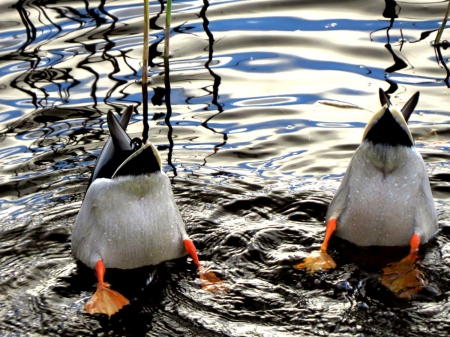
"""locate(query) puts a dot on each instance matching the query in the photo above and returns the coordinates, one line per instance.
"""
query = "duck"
(384, 198)
(129, 217)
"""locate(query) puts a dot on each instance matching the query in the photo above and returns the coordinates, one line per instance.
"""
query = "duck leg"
(104, 300)
(414, 248)
(404, 278)
(320, 259)
(192, 251)
(209, 280)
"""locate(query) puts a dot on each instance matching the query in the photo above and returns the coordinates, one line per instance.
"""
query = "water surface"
(267, 102)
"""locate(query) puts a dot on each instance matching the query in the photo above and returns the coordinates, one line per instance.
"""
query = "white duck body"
(385, 195)
(129, 217)
(129, 222)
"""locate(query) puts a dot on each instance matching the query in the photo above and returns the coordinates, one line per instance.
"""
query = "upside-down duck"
(128, 218)
(384, 198)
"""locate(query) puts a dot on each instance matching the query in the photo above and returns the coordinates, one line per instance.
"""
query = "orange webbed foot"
(318, 260)
(105, 301)
(403, 278)
(210, 282)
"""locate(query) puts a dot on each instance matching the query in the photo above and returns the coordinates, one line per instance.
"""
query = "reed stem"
(167, 31)
(442, 27)
(146, 34)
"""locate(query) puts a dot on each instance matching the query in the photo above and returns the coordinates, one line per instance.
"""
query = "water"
(268, 101)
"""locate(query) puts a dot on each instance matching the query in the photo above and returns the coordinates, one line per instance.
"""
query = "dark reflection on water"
(266, 103)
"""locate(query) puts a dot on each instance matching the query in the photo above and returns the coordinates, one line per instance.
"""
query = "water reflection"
(216, 83)
(440, 59)
(392, 11)
(253, 152)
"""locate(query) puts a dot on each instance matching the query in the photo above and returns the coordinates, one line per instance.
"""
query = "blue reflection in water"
(291, 24)
(227, 165)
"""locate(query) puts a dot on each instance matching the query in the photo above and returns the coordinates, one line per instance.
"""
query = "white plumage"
(385, 198)
(129, 217)
(129, 222)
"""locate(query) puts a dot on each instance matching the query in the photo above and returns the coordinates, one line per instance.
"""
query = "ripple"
(266, 101)
(253, 158)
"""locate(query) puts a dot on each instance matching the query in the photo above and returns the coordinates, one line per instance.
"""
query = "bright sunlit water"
(266, 104)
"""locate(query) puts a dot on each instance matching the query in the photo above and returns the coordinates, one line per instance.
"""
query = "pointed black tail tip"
(124, 118)
(144, 161)
(111, 121)
(384, 98)
(407, 109)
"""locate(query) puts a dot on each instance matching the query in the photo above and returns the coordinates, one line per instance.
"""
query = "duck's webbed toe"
(211, 282)
(318, 260)
(403, 278)
(105, 301)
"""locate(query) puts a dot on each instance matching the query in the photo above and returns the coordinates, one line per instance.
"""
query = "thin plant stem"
(167, 32)
(442, 27)
(146, 33)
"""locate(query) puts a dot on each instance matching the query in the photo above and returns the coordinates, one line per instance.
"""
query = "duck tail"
(105, 301)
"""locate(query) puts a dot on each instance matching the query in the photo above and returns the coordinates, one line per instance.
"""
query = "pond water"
(266, 104)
